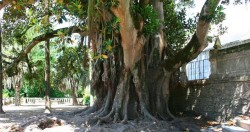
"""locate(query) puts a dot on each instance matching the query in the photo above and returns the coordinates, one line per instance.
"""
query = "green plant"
(8, 93)
(5, 93)
(56, 93)
(80, 93)
(149, 16)
(86, 99)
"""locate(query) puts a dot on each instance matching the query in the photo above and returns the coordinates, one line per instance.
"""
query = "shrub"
(86, 99)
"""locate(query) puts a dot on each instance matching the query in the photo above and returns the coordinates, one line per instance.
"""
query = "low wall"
(41, 101)
(225, 94)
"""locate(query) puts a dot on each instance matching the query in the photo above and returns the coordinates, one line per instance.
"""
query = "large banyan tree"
(138, 45)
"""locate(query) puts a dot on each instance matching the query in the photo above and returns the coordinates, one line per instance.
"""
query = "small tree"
(69, 72)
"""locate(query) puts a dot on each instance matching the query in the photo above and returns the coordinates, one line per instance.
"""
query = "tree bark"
(74, 96)
(132, 43)
(17, 95)
(17, 84)
(47, 77)
(74, 91)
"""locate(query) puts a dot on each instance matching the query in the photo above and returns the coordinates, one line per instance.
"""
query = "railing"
(41, 101)
(7, 101)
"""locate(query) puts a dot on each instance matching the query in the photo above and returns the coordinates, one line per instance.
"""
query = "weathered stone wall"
(227, 91)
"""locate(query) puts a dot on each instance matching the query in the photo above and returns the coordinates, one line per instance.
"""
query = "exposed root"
(146, 114)
(129, 90)
(107, 118)
(84, 112)
(120, 103)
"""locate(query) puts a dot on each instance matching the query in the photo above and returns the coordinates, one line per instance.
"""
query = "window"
(199, 68)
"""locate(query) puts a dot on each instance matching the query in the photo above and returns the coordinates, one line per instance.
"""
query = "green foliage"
(80, 92)
(86, 99)
(8, 93)
(5, 94)
(56, 93)
(67, 64)
(24, 21)
(178, 28)
(219, 16)
(149, 17)
(32, 91)
(35, 91)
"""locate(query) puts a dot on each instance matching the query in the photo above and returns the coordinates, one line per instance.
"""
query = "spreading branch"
(198, 41)
(37, 40)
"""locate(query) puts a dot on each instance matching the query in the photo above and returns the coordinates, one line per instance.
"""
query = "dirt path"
(20, 114)
(70, 121)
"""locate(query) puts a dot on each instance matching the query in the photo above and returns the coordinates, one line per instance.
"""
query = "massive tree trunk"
(1, 74)
(134, 80)
(47, 78)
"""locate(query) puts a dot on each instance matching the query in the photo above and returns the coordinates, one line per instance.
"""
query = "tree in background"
(69, 71)
(36, 28)
(47, 78)
(1, 73)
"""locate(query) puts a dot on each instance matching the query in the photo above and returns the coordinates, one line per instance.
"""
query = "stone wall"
(227, 91)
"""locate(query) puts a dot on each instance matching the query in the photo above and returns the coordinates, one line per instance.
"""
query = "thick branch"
(132, 44)
(126, 22)
(34, 42)
(199, 40)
